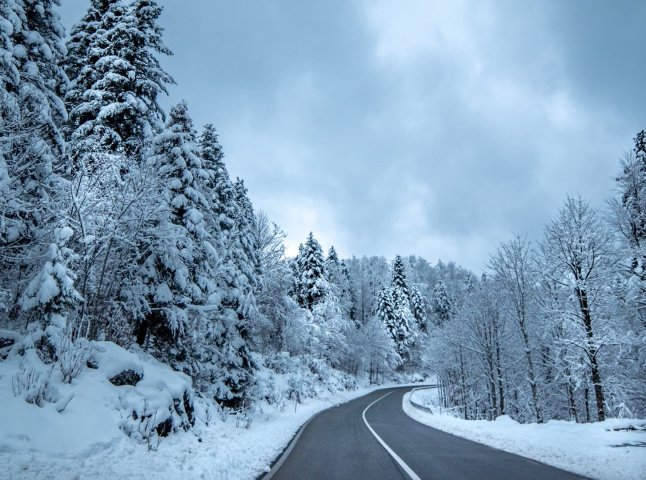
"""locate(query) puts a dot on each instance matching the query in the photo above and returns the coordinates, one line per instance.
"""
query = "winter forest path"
(337, 444)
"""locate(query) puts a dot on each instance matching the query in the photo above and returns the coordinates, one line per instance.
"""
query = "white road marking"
(402, 464)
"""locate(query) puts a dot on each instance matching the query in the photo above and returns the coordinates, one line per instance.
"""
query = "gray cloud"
(434, 128)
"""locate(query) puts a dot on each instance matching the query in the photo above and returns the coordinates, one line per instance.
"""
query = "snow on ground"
(84, 440)
(594, 450)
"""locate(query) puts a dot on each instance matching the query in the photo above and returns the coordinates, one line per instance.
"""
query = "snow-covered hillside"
(92, 428)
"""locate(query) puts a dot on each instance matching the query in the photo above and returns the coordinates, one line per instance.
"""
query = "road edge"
(280, 459)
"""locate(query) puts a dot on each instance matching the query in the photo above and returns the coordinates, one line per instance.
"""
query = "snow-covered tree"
(310, 280)
(513, 266)
(399, 331)
(418, 308)
(630, 221)
(175, 253)
(399, 285)
(221, 196)
(235, 267)
(367, 275)
(403, 329)
(113, 98)
(577, 254)
(442, 304)
(51, 294)
(248, 261)
(82, 37)
(31, 142)
(339, 281)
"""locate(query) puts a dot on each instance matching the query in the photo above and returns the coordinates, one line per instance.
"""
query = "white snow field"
(84, 440)
(602, 450)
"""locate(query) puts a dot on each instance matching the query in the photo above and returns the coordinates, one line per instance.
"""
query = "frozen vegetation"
(148, 308)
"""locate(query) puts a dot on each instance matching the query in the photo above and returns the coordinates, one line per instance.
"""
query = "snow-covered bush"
(151, 412)
(33, 381)
(155, 402)
(284, 380)
(72, 357)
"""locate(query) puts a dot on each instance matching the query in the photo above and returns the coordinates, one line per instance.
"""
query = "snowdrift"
(113, 391)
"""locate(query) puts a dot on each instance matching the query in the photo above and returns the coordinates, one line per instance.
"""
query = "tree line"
(119, 221)
(556, 329)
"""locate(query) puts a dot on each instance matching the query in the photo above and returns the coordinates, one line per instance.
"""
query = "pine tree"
(83, 36)
(113, 99)
(339, 281)
(418, 308)
(633, 184)
(51, 292)
(631, 222)
(248, 261)
(230, 221)
(385, 310)
(332, 260)
(401, 294)
(31, 143)
(398, 330)
(442, 304)
(175, 252)
(310, 274)
(349, 294)
(404, 338)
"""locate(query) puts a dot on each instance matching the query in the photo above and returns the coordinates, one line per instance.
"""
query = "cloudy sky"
(434, 128)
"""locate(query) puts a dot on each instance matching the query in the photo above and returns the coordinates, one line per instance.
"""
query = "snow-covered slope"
(93, 429)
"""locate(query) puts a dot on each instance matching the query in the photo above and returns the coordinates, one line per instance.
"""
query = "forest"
(119, 223)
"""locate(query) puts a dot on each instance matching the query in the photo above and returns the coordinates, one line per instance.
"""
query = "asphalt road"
(337, 445)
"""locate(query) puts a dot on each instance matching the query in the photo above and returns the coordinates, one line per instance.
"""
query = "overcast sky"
(436, 128)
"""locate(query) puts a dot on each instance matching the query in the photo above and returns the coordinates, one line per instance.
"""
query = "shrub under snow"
(79, 388)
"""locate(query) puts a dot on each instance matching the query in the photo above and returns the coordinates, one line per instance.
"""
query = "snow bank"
(217, 450)
(603, 450)
(81, 435)
(90, 413)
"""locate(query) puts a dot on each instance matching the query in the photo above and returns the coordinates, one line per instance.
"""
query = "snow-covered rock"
(41, 413)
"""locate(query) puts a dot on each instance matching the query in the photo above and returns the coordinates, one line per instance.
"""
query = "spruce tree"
(113, 100)
(51, 293)
(397, 330)
(339, 281)
(229, 221)
(442, 304)
(83, 36)
(631, 223)
(175, 252)
(385, 310)
(31, 143)
(403, 318)
(401, 294)
(310, 276)
(418, 308)
(248, 261)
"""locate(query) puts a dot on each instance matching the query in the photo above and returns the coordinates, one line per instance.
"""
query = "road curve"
(337, 445)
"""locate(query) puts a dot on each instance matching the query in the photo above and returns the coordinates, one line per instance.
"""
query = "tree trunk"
(501, 393)
(531, 376)
(591, 352)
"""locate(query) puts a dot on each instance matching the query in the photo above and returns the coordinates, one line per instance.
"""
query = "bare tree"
(577, 254)
(512, 266)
